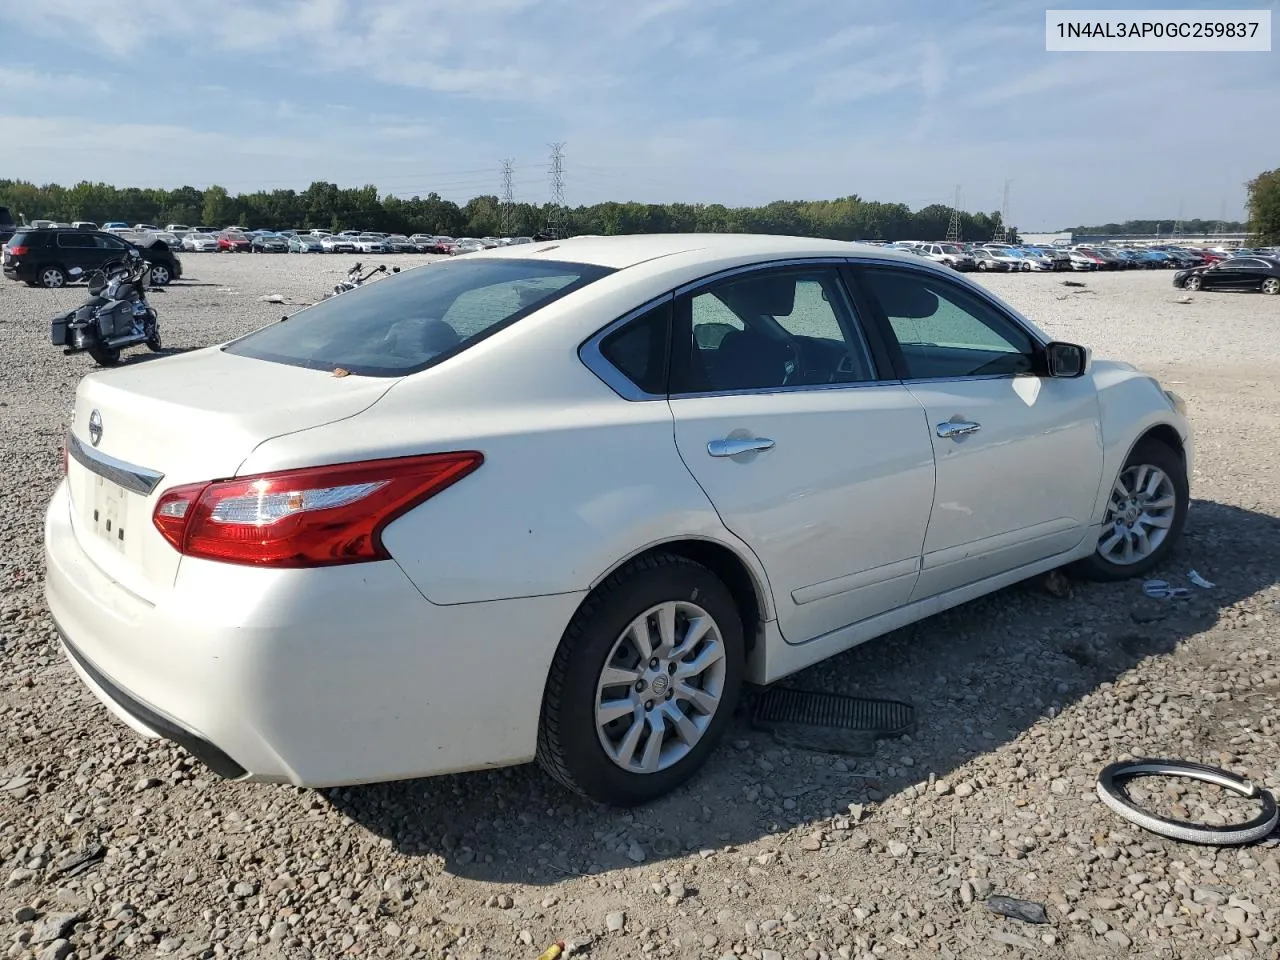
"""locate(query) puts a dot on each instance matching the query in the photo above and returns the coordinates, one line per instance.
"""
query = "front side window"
(408, 322)
(945, 331)
(769, 330)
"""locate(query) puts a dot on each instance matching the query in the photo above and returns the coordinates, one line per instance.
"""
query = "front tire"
(644, 682)
(1271, 286)
(160, 275)
(1192, 283)
(1146, 512)
(52, 278)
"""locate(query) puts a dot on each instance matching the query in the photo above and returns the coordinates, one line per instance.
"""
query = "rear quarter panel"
(575, 479)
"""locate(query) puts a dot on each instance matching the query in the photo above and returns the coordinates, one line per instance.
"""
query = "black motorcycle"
(115, 316)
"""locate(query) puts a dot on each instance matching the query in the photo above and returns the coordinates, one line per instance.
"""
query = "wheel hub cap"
(660, 687)
(1139, 515)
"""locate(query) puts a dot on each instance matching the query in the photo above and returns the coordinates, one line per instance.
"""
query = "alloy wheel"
(1140, 512)
(661, 687)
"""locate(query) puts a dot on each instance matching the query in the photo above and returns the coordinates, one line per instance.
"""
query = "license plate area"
(108, 511)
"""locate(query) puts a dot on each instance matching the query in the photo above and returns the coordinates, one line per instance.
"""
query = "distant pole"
(953, 227)
(508, 198)
(556, 226)
(1004, 214)
(1177, 224)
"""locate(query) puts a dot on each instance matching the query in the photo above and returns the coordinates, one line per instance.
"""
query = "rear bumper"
(323, 677)
(146, 720)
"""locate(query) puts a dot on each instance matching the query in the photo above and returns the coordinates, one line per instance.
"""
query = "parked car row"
(237, 240)
(1009, 257)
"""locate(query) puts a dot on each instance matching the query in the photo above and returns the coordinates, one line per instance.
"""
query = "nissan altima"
(559, 501)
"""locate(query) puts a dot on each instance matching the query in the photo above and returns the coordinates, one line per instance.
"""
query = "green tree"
(1264, 207)
(216, 207)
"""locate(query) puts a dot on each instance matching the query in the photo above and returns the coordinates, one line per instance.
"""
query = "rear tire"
(52, 277)
(1271, 286)
(160, 275)
(678, 709)
(1139, 476)
(104, 356)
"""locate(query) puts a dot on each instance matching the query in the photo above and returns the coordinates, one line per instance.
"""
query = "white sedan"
(200, 242)
(561, 500)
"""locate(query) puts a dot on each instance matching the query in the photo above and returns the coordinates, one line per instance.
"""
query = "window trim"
(886, 358)
(592, 355)
(877, 316)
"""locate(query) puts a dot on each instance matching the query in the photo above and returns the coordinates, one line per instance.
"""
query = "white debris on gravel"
(772, 853)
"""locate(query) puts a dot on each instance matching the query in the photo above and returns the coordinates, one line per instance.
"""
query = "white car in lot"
(200, 242)
(561, 500)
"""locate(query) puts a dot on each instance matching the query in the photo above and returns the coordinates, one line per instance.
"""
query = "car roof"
(619, 252)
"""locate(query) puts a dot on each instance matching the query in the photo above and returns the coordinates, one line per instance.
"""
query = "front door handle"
(958, 428)
(734, 447)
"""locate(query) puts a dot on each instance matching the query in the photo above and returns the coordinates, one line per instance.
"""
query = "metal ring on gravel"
(1111, 792)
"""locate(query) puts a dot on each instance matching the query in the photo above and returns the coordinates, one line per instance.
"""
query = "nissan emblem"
(95, 427)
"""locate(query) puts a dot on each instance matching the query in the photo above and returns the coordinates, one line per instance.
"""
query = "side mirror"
(1066, 360)
(382, 268)
(395, 269)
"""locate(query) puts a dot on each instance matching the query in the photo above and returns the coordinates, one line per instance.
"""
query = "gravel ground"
(114, 848)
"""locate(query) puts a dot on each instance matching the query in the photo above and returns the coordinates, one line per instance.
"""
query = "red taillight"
(18, 251)
(317, 516)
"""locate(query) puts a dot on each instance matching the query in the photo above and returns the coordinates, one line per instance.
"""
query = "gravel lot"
(114, 848)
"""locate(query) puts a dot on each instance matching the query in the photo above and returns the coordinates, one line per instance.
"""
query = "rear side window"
(21, 239)
(406, 323)
(641, 348)
(81, 241)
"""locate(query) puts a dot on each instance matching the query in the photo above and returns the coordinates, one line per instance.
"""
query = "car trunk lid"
(146, 427)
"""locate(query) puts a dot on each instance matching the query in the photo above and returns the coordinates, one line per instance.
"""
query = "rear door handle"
(958, 428)
(734, 447)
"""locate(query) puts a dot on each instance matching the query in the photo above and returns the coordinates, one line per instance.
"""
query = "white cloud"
(712, 100)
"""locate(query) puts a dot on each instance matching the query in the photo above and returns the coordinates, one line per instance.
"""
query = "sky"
(737, 102)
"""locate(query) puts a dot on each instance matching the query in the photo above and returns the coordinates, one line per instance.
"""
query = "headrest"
(774, 296)
(437, 337)
(904, 297)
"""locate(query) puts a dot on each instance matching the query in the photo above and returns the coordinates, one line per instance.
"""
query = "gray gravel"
(111, 847)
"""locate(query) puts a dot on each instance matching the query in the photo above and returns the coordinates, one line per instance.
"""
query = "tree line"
(330, 207)
(1165, 227)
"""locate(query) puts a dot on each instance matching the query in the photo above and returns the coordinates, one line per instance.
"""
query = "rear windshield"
(401, 324)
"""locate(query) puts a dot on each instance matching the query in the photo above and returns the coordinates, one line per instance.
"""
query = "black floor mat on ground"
(830, 722)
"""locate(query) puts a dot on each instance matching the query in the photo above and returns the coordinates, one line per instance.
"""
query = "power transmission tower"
(1003, 235)
(1177, 224)
(953, 227)
(1222, 218)
(556, 225)
(508, 198)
